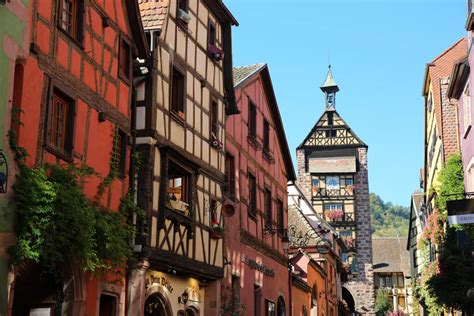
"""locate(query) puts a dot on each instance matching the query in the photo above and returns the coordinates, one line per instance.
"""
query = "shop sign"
(461, 211)
(152, 279)
(258, 266)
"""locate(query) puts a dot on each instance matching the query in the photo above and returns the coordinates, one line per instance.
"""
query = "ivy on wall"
(445, 280)
(57, 223)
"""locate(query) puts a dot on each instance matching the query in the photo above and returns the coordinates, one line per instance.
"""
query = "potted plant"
(216, 231)
(215, 52)
(335, 215)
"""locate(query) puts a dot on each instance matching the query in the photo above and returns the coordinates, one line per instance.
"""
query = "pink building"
(258, 168)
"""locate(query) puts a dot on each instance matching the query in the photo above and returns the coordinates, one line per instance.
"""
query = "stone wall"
(362, 287)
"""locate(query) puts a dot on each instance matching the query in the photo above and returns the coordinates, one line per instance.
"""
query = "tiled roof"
(390, 255)
(153, 13)
(243, 72)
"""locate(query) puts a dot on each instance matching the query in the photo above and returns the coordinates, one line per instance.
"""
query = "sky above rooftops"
(378, 50)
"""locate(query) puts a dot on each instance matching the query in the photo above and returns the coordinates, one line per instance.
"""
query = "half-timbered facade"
(181, 112)
(258, 168)
(332, 172)
(73, 95)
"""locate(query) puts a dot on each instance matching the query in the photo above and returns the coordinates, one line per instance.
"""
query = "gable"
(331, 134)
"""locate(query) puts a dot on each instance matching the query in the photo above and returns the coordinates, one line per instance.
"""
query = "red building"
(74, 94)
(258, 165)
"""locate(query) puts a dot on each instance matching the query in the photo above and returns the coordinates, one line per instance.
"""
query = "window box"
(216, 143)
(335, 215)
(269, 156)
(215, 52)
(216, 231)
(254, 142)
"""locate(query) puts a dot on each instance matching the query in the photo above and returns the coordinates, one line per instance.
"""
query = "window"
(429, 102)
(230, 175)
(266, 135)
(125, 60)
(177, 93)
(332, 183)
(252, 119)
(213, 211)
(281, 310)
(315, 186)
(211, 40)
(70, 18)
(60, 124)
(280, 217)
(183, 5)
(268, 208)
(388, 281)
(333, 207)
(122, 151)
(108, 305)
(257, 296)
(331, 96)
(331, 133)
(400, 281)
(214, 119)
(269, 308)
(349, 182)
(467, 110)
(252, 195)
(179, 189)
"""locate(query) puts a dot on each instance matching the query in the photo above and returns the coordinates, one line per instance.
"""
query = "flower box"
(215, 52)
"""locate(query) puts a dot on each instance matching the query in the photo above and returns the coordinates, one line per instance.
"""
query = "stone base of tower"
(363, 291)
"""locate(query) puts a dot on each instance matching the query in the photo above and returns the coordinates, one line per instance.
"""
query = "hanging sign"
(461, 211)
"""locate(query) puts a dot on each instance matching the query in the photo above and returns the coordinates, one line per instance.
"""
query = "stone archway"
(157, 302)
(349, 300)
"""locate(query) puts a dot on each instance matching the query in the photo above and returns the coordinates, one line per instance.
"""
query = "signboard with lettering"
(461, 211)
(258, 266)
(157, 278)
(332, 165)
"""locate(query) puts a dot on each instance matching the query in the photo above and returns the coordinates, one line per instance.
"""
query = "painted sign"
(332, 165)
(258, 266)
(158, 279)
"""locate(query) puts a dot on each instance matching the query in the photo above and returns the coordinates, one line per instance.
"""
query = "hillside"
(388, 219)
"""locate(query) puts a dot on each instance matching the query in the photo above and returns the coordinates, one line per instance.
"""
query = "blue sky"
(378, 51)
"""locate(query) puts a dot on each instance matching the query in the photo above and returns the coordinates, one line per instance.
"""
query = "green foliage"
(451, 180)
(56, 222)
(383, 303)
(388, 220)
(445, 282)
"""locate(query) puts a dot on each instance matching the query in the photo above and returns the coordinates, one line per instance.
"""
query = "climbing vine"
(445, 280)
(57, 223)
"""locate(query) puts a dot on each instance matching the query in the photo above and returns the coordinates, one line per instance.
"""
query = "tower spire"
(330, 87)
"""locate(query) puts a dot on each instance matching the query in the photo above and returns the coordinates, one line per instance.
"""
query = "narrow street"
(211, 157)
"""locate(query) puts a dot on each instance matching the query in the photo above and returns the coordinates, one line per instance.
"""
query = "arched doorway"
(349, 300)
(155, 305)
(61, 293)
(281, 306)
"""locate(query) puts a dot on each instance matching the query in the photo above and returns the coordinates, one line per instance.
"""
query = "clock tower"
(333, 175)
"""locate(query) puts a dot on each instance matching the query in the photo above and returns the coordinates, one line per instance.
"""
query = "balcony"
(470, 15)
